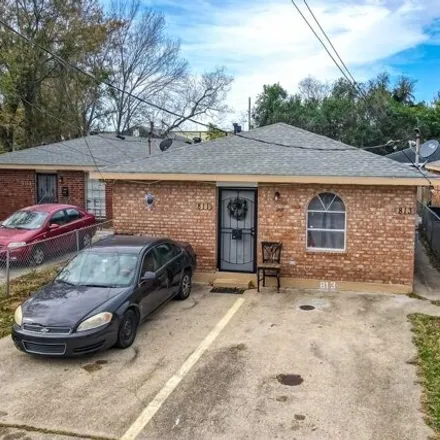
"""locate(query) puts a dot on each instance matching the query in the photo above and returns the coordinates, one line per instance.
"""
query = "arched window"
(326, 222)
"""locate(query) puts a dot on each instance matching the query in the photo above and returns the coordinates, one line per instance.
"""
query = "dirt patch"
(291, 380)
(299, 417)
(93, 366)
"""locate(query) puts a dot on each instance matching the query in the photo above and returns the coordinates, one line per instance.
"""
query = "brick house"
(60, 172)
(345, 217)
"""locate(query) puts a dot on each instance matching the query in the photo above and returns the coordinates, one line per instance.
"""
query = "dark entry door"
(47, 188)
(237, 230)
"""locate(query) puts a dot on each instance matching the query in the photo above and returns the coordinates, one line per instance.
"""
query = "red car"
(33, 233)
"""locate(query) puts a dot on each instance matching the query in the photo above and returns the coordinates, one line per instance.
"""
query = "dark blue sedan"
(99, 299)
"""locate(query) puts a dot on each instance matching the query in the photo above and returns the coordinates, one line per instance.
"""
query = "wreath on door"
(238, 208)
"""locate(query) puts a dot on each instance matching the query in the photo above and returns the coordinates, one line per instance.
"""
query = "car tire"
(127, 329)
(185, 286)
(86, 240)
(38, 256)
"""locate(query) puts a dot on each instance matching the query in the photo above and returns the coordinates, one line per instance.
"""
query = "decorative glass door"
(237, 230)
(47, 188)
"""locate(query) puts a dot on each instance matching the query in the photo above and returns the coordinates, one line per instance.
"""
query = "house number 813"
(403, 210)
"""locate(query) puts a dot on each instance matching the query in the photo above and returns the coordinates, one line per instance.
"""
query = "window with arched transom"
(326, 222)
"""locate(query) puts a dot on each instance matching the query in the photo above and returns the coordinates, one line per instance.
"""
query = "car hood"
(8, 235)
(60, 304)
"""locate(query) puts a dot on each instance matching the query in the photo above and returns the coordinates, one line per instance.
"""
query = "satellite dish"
(428, 148)
(165, 144)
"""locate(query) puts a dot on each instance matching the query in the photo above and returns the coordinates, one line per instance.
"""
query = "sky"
(266, 41)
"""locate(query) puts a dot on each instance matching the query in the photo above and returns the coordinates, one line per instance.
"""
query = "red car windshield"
(25, 220)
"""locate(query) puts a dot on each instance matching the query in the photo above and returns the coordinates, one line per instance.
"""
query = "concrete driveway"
(350, 356)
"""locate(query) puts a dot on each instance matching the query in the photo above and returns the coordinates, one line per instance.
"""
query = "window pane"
(327, 199)
(73, 214)
(337, 205)
(326, 220)
(316, 204)
(325, 239)
(59, 218)
(164, 253)
(149, 264)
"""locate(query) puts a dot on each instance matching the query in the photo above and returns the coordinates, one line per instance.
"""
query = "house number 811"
(204, 206)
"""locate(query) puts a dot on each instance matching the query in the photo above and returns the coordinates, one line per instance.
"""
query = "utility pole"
(249, 114)
(417, 130)
(150, 136)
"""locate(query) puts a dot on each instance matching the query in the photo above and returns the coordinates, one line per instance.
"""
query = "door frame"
(219, 224)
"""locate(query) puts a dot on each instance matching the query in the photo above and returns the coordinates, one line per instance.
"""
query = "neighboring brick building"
(59, 173)
(345, 217)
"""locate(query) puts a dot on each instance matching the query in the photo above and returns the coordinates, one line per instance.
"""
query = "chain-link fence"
(430, 226)
(20, 258)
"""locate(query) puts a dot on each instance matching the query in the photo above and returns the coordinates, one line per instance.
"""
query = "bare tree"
(197, 97)
(145, 61)
(311, 89)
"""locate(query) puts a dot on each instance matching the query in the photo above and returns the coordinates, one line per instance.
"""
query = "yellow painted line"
(148, 413)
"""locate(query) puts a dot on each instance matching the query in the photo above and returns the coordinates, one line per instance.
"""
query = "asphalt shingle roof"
(314, 155)
(106, 149)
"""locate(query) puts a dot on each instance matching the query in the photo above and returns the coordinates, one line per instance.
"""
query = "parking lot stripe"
(148, 413)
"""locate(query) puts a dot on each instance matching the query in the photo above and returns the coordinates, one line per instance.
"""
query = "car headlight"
(18, 316)
(95, 321)
(16, 244)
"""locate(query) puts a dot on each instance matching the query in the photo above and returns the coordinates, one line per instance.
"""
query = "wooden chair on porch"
(271, 265)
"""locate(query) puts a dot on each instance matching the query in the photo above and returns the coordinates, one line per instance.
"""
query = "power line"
(352, 81)
(329, 41)
(108, 84)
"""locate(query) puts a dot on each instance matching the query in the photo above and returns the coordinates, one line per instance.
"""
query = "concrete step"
(239, 283)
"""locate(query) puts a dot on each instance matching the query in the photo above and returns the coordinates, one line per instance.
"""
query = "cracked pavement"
(353, 353)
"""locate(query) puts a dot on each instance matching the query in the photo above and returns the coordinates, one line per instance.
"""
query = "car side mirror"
(148, 277)
(53, 226)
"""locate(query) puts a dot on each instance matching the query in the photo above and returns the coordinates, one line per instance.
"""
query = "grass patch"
(20, 289)
(416, 296)
(426, 338)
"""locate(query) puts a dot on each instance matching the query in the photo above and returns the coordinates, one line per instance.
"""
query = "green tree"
(30, 78)
(369, 114)
(214, 132)
(269, 105)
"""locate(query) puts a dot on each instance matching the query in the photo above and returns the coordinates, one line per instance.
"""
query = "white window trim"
(333, 250)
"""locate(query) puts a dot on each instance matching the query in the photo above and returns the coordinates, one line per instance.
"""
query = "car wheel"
(127, 329)
(86, 240)
(185, 286)
(38, 256)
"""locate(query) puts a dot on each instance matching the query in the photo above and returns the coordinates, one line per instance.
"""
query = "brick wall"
(108, 200)
(75, 182)
(380, 242)
(175, 214)
(17, 189)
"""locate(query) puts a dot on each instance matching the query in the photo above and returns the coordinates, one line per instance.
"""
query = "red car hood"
(9, 235)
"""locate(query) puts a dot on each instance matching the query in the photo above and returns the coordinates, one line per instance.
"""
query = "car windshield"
(100, 269)
(25, 220)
